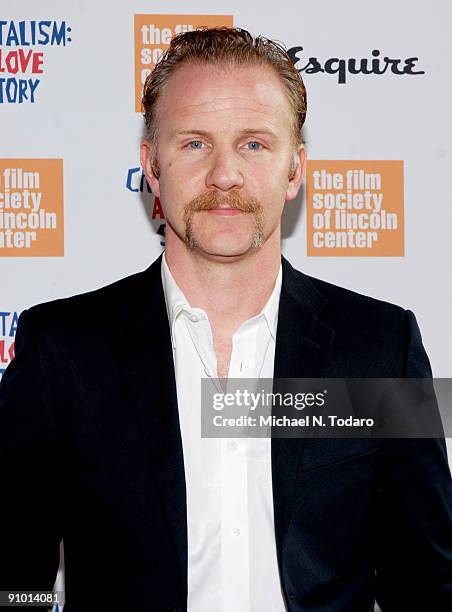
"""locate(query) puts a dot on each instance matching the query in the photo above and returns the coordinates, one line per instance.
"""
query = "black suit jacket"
(90, 451)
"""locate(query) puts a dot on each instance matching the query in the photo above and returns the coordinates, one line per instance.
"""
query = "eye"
(254, 146)
(195, 145)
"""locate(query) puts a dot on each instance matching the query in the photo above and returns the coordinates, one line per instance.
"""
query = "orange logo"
(153, 34)
(31, 208)
(355, 208)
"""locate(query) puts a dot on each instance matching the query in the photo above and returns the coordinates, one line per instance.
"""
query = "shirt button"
(194, 318)
(232, 446)
(235, 531)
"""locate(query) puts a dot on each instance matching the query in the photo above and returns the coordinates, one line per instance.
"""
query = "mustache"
(208, 200)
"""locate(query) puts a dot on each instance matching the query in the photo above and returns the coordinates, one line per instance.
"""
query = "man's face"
(225, 152)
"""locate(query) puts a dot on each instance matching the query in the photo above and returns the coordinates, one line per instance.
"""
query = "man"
(100, 435)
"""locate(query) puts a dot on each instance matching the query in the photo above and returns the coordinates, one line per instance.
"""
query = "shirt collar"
(176, 301)
(174, 298)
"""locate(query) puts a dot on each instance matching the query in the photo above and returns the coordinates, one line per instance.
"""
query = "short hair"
(233, 46)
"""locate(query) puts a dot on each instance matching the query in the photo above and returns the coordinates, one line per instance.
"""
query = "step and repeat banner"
(374, 213)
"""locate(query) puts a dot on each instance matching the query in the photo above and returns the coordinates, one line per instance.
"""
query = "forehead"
(224, 95)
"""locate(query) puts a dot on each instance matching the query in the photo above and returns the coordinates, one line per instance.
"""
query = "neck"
(229, 291)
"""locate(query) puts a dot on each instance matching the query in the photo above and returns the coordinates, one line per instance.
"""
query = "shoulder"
(339, 302)
(363, 321)
(348, 305)
(100, 310)
(379, 336)
(361, 318)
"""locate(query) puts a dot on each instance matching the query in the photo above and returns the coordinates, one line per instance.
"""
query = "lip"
(225, 212)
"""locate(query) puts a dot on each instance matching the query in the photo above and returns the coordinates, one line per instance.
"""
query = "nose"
(224, 173)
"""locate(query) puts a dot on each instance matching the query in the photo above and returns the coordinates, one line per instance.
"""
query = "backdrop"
(375, 213)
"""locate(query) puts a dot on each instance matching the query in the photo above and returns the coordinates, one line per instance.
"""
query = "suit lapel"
(146, 356)
(303, 345)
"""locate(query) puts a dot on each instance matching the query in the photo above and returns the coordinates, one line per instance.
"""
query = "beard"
(209, 200)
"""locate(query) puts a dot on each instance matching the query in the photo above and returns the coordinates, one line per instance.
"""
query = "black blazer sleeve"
(30, 478)
(414, 512)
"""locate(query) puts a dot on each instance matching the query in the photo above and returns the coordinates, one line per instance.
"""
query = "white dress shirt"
(232, 563)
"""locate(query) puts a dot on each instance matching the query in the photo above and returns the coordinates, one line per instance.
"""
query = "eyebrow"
(248, 131)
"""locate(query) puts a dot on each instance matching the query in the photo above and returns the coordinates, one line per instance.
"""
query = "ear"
(147, 157)
(298, 171)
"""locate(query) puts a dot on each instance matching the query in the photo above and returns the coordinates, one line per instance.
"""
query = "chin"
(225, 251)
(228, 242)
